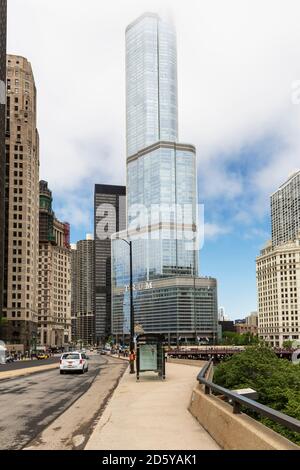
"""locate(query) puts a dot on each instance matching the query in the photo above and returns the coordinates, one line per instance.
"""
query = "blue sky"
(237, 71)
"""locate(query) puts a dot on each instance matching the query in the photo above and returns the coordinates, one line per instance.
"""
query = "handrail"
(237, 400)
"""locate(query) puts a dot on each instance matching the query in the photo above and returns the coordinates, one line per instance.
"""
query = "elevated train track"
(218, 353)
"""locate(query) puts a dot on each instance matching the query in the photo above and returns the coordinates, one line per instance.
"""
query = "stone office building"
(278, 285)
(21, 206)
(278, 268)
(54, 302)
(3, 21)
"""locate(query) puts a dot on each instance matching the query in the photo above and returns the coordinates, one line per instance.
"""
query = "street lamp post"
(132, 371)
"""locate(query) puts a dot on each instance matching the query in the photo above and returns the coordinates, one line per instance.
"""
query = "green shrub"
(277, 382)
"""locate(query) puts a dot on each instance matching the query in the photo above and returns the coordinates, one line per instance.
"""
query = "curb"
(12, 374)
(121, 358)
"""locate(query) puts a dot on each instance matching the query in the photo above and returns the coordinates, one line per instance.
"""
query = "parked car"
(9, 359)
(74, 362)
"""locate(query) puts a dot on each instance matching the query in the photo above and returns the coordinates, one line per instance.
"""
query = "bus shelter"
(150, 355)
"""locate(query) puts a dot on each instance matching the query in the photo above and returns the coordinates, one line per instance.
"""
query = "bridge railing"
(238, 400)
(219, 352)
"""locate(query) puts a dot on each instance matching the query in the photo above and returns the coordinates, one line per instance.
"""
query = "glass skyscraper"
(109, 204)
(151, 69)
(161, 197)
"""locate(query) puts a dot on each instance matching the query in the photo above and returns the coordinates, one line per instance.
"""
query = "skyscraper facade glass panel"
(151, 65)
(162, 194)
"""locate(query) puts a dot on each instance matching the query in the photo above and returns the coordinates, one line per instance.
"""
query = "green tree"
(110, 341)
(287, 344)
(277, 382)
(234, 339)
(3, 323)
(229, 338)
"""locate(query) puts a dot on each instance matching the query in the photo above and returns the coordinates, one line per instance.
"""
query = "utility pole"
(132, 371)
(131, 315)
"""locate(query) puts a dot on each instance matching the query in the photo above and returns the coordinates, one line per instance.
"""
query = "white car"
(73, 362)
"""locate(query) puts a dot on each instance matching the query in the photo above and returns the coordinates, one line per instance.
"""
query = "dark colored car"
(9, 359)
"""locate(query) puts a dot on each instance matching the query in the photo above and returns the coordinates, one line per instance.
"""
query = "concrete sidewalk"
(152, 414)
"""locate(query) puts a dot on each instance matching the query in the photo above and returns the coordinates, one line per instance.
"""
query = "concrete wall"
(232, 431)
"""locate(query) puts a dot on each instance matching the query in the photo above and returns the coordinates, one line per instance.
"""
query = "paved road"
(25, 364)
(29, 404)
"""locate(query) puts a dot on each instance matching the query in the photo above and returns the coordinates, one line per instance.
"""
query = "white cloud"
(212, 230)
(76, 209)
(257, 234)
(237, 62)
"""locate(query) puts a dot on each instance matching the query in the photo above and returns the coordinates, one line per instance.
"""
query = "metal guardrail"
(238, 400)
